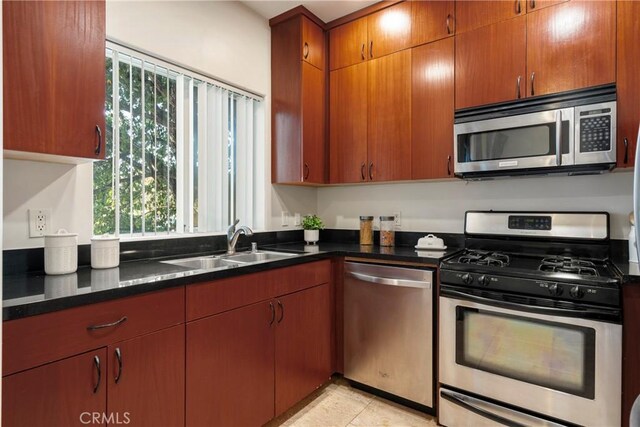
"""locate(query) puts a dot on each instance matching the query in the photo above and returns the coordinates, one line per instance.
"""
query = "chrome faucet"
(233, 234)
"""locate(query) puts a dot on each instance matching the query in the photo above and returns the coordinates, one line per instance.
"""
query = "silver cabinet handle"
(362, 52)
(107, 325)
(96, 363)
(518, 7)
(448, 23)
(119, 358)
(558, 138)
(281, 311)
(532, 4)
(389, 281)
(371, 171)
(99, 146)
(518, 86)
(449, 165)
(371, 49)
(273, 313)
(305, 50)
(533, 76)
(363, 167)
(306, 171)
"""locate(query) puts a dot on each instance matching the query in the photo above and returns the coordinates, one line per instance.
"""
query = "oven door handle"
(456, 400)
(563, 312)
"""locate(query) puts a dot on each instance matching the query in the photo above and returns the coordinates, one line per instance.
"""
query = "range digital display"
(527, 222)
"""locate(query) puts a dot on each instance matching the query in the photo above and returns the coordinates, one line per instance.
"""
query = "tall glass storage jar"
(387, 231)
(366, 230)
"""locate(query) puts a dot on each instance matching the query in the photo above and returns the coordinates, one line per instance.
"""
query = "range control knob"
(483, 280)
(576, 292)
(467, 279)
(554, 289)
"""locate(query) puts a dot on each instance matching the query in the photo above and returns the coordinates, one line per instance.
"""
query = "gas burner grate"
(494, 259)
(568, 265)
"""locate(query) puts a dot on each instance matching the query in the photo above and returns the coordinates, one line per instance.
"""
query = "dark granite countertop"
(630, 271)
(35, 293)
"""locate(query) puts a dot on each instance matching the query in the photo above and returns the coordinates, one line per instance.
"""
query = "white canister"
(105, 251)
(60, 252)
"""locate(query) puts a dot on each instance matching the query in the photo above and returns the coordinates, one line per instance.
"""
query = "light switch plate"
(39, 222)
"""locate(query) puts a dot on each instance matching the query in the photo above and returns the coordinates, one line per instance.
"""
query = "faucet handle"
(232, 228)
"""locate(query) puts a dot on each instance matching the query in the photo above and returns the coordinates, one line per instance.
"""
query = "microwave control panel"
(595, 131)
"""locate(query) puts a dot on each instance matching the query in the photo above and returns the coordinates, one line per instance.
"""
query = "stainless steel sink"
(219, 262)
(203, 263)
(262, 256)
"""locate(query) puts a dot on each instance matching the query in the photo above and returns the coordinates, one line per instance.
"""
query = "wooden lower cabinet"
(230, 359)
(145, 378)
(64, 393)
(303, 360)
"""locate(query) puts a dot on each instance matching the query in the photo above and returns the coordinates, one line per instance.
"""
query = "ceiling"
(326, 10)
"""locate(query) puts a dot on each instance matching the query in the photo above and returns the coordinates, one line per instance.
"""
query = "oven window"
(513, 143)
(554, 355)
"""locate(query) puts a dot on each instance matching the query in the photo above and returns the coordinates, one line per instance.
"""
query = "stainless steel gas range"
(530, 323)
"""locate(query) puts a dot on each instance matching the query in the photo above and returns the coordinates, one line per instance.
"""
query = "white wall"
(440, 206)
(222, 38)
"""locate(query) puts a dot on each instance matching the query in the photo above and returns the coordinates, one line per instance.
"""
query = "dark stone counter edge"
(57, 304)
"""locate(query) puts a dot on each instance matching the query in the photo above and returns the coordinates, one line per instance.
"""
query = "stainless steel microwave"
(572, 133)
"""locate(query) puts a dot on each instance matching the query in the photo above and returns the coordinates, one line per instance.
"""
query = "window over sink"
(184, 152)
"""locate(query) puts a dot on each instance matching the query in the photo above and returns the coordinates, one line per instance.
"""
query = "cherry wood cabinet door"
(571, 46)
(348, 124)
(490, 63)
(471, 14)
(54, 77)
(63, 393)
(348, 44)
(431, 20)
(533, 5)
(146, 378)
(313, 45)
(230, 368)
(432, 82)
(303, 344)
(628, 81)
(389, 30)
(389, 117)
(313, 125)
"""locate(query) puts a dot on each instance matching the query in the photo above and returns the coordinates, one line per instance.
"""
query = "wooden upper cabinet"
(313, 124)
(431, 20)
(389, 117)
(571, 46)
(490, 63)
(533, 5)
(58, 393)
(432, 94)
(54, 77)
(389, 30)
(348, 44)
(348, 124)
(472, 14)
(146, 378)
(313, 44)
(628, 81)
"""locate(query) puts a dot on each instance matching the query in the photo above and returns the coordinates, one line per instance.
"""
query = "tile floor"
(339, 405)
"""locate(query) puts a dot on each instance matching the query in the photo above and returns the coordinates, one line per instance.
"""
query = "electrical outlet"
(39, 222)
(398, 217)
(296, 219)
(285, 219)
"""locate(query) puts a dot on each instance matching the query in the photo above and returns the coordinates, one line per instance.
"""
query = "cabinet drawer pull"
(119, 359)
(518, 7)
(371, 171)
(107, 325)
(96, 364)
(305, 50)
(99, 146)
(306, 171)
(281, 311)
(362, 52)
(449, 23)
(273, 313)
(533, 4)
(533, 76)
(626, 150)
(518, 87)
(449, 165)
(371, 49)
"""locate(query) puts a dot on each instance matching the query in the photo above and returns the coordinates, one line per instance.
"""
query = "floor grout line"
(363, 409)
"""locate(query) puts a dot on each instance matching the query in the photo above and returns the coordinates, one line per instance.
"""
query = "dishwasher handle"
(390, 281)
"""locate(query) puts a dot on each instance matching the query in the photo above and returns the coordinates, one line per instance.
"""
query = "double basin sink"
(219, 262)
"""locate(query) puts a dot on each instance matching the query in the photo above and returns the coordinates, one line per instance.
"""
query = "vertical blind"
(184, 153)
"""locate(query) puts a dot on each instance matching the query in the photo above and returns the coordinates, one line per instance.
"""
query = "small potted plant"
(312, 225)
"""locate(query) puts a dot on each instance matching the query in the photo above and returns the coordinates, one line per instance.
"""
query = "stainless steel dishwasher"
(388, 329)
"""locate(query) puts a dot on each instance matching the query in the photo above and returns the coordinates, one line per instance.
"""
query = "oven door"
(544, 360)
(527, 141)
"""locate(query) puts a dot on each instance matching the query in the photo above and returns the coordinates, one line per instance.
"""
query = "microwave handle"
(558, 138)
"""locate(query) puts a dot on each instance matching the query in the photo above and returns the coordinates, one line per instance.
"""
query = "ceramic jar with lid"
(60, 252)
(105, 251)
